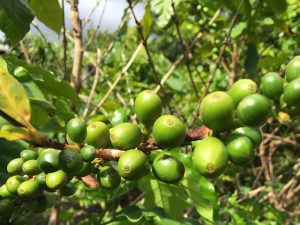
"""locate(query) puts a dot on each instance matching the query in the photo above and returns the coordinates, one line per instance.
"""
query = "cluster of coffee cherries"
(234, 117)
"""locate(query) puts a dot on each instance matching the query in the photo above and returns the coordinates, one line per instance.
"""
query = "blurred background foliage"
(265, 37)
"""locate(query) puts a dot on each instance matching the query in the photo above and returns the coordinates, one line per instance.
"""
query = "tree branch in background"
(150, 60)
(124, 70)
(78, 47)
(65, 43)
(96, 79)
(25, 52)
(225, 43)
(185, 51)
(49, 46)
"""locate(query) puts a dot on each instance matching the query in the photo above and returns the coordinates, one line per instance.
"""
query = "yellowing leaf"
(13, 99)
(17, 134)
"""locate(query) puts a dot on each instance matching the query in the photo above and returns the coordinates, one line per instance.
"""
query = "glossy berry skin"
(28, 188)
(4, 193)
(41, 180)
(272, 85)
(125, 136)
(88, 153)
(133, 164)
(168, 169)
(70, 161)
(148, 107)
(56, 179)
(15, 166)
(30, 167)
(254, 110)
(240, 149)
(108, 178)
(86, 169)
(169, 132)
(210, 157)
(97, 135)
(217, 111)
(76, 130)
(48, 160)
(13, 183)
(28, 155)
(293, 69)
(292, 93)
(253, 133)
(67, 190)
(240, 89)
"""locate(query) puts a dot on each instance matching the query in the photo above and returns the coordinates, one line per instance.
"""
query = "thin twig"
(87, 19)
(124, 70)
(150, 60)
(65, 43)
(91, 39)
(225, 43)
(180, 58)
(96, 79)
(25, 52)
(49, 45)
(78, 47)
(185, 51)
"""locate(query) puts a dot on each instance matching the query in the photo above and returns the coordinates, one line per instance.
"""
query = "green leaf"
(14, 99)
(252, 59)
(8, 151)
(163, 8)
(3, 64)
(278, 6)
(15, 19)
(15, 133)
(170, 197)
(48, 12)
(132, 214)
(238, 29)
(47, 81)
(147, 21)
(202, 194)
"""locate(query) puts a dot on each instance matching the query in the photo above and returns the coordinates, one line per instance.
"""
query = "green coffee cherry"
(125, 136)
(133, 164)
(70, 161)
(86, 169)
(56, 179)
(28, 188)
(97, 135)
(88, 153)
(76, 130)
(28, 155)
(108, 178)
(168, 131)
(30, 167)
(15, 166)
(13, 183)
(48, 160)
(148, 107)
(168, 168)
(4, 193)
(67, 190)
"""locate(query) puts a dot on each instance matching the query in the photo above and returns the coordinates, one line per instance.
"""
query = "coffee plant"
(190, 117)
